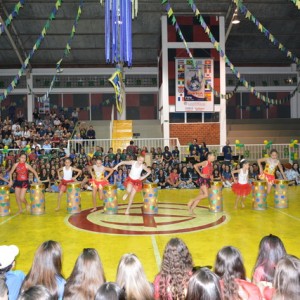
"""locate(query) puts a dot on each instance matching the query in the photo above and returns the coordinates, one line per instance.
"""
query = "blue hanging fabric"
(107, 31)
(129, 34)
(118, 31)
(114, 25)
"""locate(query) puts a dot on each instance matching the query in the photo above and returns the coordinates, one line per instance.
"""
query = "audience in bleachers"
(276, 276)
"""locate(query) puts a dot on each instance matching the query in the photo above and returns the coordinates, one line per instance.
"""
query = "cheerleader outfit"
(134, 177)
(67, 178)
(269, 171)
(99, 180)
(206, 173)
(22, 177)
(242, 187)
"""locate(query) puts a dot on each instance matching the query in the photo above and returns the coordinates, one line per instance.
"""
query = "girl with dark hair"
(37, 292)
(162, 180)
(287, 279)
(66, 178)
(86, 276)
(110, 291)
(271, 250)
(46, 270)
(131, 277)
(205, 177)
(176, 270)
(230, 268)
(241, 187)
(186, 180)
(203, 152)
(21, 184)
(204, 285)
(272, 163)
(100, 175)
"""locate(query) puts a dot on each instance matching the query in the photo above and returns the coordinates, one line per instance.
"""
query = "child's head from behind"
(287, 278)
(204, 285)
(110, 291)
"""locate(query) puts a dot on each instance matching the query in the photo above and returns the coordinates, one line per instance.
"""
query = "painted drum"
(259, 195)
(215, 196)
(37, 199)
(150, 197)
(280, 197)
(73, 198)
(4, 200)
(110, 199)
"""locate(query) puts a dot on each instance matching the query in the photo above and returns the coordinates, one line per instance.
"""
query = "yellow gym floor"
(242, 228)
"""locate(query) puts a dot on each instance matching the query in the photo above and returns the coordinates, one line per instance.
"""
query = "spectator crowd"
(275, 275)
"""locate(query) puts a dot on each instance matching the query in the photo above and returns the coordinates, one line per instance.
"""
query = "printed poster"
(192, 93)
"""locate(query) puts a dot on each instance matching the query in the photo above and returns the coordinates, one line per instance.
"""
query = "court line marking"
(156, 252)
(282, 212)
(8, 219)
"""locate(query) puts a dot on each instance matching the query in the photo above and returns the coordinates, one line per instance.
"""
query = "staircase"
(122, 129)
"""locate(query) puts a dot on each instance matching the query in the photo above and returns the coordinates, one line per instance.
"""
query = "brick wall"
(203, 132)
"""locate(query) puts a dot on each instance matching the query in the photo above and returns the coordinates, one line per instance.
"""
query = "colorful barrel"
(37, 199)
(110, 199)
(150, 196)
(280, 198)
(259, 195)
(4, 200)
(215, 197)
(73, 198)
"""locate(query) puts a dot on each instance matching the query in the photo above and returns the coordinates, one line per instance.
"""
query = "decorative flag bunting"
(297, 3)
(12, 15)
(37, 44)
(248, 15)
(65, 54)
(228, 62)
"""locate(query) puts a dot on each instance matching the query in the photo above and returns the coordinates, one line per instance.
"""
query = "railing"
(89, 145)
(251, 152)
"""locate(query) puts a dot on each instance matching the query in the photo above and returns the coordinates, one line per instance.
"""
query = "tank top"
(135, 172)
(243, 177)
(208, 169)
(99, 172)
(271, 166)
(22, 172)
(68, 174)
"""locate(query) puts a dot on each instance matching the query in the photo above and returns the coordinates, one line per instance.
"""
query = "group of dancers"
(133, 183)
(241, 187)
(68, 174)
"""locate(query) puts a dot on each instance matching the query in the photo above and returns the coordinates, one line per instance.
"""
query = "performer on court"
(241, 187)
(99, 180)
(268, 173)
(133, 182)
(21, 184)
(66, 178)
(206, 175)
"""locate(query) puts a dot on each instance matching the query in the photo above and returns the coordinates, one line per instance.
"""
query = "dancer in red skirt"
(205, 176)
(21, 184)
(133, 182)
(99, 180)
(65, 179)
(241, 187)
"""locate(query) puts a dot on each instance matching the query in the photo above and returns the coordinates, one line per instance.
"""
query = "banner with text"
(192, 76)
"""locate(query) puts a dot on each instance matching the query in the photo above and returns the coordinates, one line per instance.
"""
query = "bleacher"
(254, 131)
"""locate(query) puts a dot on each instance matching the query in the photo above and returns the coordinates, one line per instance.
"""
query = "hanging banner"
(192, 78)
